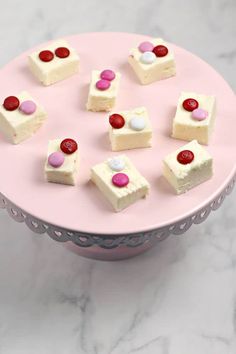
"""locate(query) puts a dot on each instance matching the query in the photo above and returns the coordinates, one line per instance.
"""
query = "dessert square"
(130, 129)
(120, 182)
(187, 167)
(62, 161)
(103, 90)
(194, 118)
(20, 117)
(152, 61)
(54, 63)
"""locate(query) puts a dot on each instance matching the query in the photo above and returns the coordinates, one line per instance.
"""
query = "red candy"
(190, 104)
(116, 121)
(46, 55)
(68, 146)
(62, 52)
(11, 103)
(185, 157)
(160, 51)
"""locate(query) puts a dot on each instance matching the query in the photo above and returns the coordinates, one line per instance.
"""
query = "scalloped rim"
(107, 241)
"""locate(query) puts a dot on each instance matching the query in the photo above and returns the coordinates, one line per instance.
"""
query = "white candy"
(137, 123)
(116, 164)
(148, 58)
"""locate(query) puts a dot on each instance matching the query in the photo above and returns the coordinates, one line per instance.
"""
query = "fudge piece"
(103, 90)
(152, 61)
(62, 161)
(20, 117)
(187, 167)
(54, 62)
(120, 182)
(194, 118)
(130, 129)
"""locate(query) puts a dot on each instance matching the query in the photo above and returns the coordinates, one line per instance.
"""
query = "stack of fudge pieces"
(117, 178)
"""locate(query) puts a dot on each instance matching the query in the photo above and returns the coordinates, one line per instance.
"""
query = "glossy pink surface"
(28, 107)
(83, 207)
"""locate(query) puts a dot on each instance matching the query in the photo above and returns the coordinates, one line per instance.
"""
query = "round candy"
(68, 146)
(145, 47)
(28, 107)
(103, 84)
(116, 164)
(46, 55)
(120, 180)
(11, 103)
(199, 114)
(62, 52)
(137, 123)
(190, 104)
(148, 58)
(185, 157)
(160, 51)
(116, 121)
(108, 75)
(56, 159)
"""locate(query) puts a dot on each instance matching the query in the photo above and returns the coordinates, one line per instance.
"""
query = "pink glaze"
(65, 104)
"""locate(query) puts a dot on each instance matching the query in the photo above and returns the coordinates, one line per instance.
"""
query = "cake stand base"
(115, 254)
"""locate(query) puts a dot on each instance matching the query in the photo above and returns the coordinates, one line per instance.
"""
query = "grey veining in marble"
(180, 298)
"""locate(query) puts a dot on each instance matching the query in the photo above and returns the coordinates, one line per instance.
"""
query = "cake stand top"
(83, 208)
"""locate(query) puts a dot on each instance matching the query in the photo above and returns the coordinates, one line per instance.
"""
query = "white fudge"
(18, 126)
(183, 177)
(119, 197)
(102, 100)
(58, 68)
(150, 68)
(186, 125)
(136, 132)
(67, 172)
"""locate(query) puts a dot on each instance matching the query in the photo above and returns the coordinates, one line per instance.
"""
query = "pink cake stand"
(80, 216)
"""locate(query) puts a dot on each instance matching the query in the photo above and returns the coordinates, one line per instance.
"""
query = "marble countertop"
(179, 298)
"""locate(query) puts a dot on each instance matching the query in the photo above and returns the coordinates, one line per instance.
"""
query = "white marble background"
(180, 298)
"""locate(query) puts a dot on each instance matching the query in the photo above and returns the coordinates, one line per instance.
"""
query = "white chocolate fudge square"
(63, 167)
(102, 99)
(197, 123)
(120, 182)
(135, 133)
(150, 67)
(65, 62)
(22, 122)
(198, 167)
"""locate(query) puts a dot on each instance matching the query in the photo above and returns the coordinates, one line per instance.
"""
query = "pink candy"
(199, 114)
(145, 47)
(103, 84)
(28, 107)
(120, 180)
(56, 159)
(108, 75)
